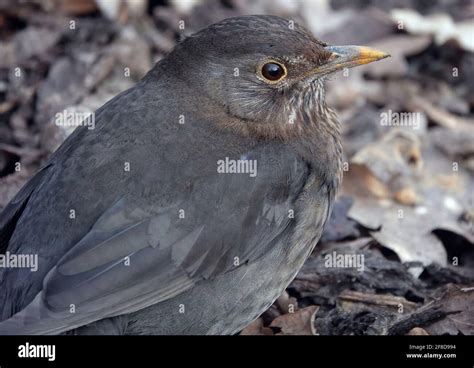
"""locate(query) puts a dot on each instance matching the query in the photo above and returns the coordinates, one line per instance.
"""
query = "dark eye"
(273, 71)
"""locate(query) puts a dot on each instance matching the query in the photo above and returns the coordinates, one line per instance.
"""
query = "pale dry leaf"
(441, 26)
(437, 197)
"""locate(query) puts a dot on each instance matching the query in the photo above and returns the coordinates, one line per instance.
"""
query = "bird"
(196, 198)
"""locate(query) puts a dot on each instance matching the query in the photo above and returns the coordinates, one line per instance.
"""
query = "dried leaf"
(256, 328)
(417, 331)
(409, 193)
(458, 304)
(441, 26)
(299, 323)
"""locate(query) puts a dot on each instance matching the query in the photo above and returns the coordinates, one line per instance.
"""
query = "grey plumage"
(172, 246)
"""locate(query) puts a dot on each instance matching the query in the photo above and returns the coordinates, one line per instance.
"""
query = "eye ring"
(272, 71)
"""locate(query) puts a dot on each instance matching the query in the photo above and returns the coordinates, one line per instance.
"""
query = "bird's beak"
(349, 56)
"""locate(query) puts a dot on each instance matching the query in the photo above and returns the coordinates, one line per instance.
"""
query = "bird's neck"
(321, 147)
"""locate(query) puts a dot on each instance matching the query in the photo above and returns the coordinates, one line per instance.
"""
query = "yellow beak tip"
(368, 55)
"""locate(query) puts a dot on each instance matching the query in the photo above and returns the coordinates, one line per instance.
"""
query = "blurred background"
(406, 207)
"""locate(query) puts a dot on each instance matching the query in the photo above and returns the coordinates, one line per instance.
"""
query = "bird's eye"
(273, 71)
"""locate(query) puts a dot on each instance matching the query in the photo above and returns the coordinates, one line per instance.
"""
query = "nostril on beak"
(334, 56)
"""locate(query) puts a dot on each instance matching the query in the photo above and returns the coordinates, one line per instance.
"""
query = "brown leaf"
(256, 328)
(77, 7)
(458, 303)
(299, 323)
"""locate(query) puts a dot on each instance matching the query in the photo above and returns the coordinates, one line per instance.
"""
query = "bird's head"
(264, 70)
